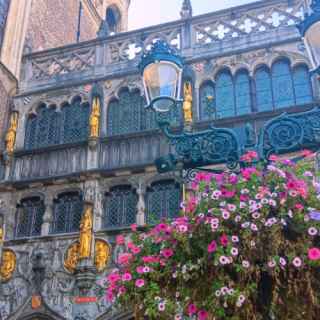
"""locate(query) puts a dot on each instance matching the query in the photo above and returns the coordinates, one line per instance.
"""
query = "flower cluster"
(246, 244)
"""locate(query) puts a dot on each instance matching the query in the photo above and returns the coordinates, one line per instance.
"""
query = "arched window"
(30, 217)
(113, 19)
(282, 85)
(67, 213)
(263, 89)
(120, 207)
(207, 101)
(43, 129)
(225, 100)
(75, 117)
(163, 201)
(243, 93)
(302, 84)
(128, 114)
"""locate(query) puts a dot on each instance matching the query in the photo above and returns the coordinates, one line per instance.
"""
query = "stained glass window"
(302, 85)
(120, 207)
(67, 213)
(263, 89)
(30, 217)
(128, 114)
(75, 121)
(282, 85)
(225, 99)
(207, 101)
(162, 201)
(50, 127)
(243, 93)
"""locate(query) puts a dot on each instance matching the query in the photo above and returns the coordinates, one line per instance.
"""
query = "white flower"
(235, 239)
(282, 261)
(241, 298)
(234, 251)
(245, 264)
(231, 292)
(297, 262)
(271, 264)
(161, 306)
(312, 231)
(146, 269)
(223, 260)
(224, 290)
(218, 293)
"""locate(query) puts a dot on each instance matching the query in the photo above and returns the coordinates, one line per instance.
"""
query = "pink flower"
(299, 206)
(314, 254)
(224, 240)
(113, 277)
(140, 269)
(192, 309)
(139, 283)
(124, 258)
(150, 259)
(202, 315)
(135, 250)
(167, 253)
(273, 157)
(126, 277)
(134, 227)
(120, 240)
(122, 290)
(110, 296)
(212, 247)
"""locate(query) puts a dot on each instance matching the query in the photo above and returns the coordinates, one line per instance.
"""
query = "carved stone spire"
(186, 11)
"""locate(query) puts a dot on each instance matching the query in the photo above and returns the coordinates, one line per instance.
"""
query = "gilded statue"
(8, 264)
(187, 103)
(1, 234)
(102, 254)
(72, 257)
(86, 234)
(95, 118)
(10, 138)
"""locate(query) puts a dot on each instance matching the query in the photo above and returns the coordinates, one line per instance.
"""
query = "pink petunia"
(202, 315)
(212, 247)
(224, 240)
(139, 283)
(314, 254)
(192, 309)
(126, 277)
(167, 253)
(124, 258)
(120, 240)
(134, 227)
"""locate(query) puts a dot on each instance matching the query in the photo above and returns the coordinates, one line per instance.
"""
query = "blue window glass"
(302, 85)
(31, 132)
(67, 213)
(282, 85)
(207, 101)
(225, 100)
(30, 217)
(163, 201)
(75, 121)
(263, 89)
(243, 93)
(120, 207)
(128, 114)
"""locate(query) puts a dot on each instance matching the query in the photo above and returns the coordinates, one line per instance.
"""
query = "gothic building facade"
(78, 138)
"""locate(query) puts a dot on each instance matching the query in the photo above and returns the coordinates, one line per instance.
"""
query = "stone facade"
(115, 172)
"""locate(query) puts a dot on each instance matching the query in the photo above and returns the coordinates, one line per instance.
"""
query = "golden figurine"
(1, 235)
(8, 265)
(102, 254)
(10, 138)
(86, 234)
(95, 118)
(187, 103)
(72, 257)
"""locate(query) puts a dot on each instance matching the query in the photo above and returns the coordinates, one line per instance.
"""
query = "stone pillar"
(48, 216)
(141, 207)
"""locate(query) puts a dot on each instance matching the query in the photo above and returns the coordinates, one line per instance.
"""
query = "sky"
(145, 13)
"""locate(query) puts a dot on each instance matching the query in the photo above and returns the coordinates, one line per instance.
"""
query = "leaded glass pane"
(75, 121)
(282, 85)
(163, 201)
(4, 7)
(243, 93)
(263, 90)
(31, 132)
(120, 207)
(302, 85)
(128, 114)
(43, 127)
(207, 101)
(225, 95)
(67, 213)
(30, 217)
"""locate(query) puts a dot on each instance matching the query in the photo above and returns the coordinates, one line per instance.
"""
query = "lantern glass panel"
(312, 42)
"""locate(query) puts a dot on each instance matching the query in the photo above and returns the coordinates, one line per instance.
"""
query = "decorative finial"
(186, 11)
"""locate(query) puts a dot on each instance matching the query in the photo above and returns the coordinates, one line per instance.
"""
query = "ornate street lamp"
(310, 31)
(161, 70)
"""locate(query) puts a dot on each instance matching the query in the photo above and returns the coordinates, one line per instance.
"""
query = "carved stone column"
(48, 216)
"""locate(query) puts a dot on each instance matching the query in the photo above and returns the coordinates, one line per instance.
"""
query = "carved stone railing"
(219, 33)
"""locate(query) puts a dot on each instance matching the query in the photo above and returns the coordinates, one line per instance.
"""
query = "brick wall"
(54, 23)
